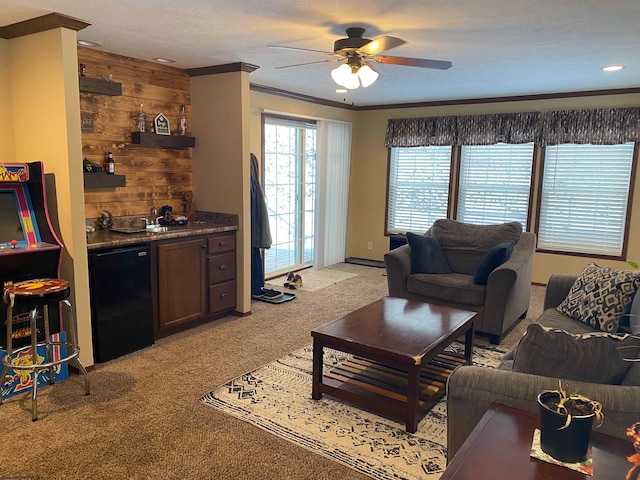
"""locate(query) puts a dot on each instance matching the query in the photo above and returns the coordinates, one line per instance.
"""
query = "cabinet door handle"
(223, 296)
(223, 267)
(223, 243)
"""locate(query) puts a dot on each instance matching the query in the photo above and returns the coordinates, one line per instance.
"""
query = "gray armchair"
(499, 303)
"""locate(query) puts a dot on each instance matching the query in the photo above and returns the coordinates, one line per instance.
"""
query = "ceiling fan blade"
(282, 47)
(380, 44)
(310, 63)
(413, 62)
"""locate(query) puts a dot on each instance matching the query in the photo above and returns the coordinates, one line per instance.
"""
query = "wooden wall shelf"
(166, 141)
(102, 87)
(103, 180)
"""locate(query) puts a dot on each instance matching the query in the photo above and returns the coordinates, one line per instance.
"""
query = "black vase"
(570, 444)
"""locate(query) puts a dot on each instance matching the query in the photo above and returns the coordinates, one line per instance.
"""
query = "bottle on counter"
(109, 164)
(141, 119)
(182, 121)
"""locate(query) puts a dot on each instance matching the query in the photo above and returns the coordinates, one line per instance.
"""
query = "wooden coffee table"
(499, 448)
(399, 367)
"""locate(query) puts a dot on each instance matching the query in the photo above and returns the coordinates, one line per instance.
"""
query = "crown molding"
(514, 98)
(299, 96)
(42, 24)
(440, 103)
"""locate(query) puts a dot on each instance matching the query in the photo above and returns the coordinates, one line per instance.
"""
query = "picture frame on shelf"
(161, 125)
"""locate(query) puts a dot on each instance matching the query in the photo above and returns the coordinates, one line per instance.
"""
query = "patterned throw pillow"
(600, 296)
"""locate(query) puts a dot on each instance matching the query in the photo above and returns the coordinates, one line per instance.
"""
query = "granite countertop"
(207, 222)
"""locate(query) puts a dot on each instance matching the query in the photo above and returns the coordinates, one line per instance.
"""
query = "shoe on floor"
(296, 282)
(289, 279)
(271, 294)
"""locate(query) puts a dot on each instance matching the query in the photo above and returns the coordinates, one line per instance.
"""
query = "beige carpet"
(143, 419)
(313, 279)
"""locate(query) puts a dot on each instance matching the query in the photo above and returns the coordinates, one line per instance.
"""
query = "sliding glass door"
(289, 169)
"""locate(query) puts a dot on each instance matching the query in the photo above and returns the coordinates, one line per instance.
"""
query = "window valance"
(604, 126)
(597, 126)
(463, 130)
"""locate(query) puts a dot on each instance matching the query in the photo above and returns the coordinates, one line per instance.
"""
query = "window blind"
(585, 195)
(495, 183)
(418, 188)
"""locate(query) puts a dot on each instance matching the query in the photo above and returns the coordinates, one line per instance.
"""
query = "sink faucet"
(153, 216)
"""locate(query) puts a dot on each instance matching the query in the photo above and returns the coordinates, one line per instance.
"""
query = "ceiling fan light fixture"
(344, 77)
(612, 68)
(88, 43)
(367, 75)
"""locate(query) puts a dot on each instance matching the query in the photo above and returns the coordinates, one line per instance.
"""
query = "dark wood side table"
(498, 448)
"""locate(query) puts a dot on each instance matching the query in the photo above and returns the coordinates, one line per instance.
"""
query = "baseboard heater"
(364, 261)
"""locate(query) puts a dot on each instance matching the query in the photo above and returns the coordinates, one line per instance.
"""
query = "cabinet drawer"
(222, 243)
(221, 267)
(222, 297)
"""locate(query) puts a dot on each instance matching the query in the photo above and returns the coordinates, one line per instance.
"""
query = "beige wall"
(261, 102)
(7, 139)
(369, 173)
(367, 189)
(221, 172)
(45, 111)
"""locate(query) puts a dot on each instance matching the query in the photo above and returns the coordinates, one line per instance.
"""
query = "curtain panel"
(333, 164)
(596, 126)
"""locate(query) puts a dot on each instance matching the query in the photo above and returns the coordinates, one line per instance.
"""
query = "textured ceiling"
(498, 47)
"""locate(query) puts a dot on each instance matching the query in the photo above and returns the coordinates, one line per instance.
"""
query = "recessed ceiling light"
(341, 90)
(164, 60)
(89, 43)
(612, 68)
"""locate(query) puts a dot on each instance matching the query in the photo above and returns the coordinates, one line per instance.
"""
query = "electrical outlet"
(370, 245)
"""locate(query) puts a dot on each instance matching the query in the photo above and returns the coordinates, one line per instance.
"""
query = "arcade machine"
(29, 249)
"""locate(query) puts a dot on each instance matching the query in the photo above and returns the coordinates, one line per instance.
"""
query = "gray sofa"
(499, 303)
(470, 389)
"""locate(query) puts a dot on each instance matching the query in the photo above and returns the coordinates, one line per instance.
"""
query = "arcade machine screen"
(10, 222)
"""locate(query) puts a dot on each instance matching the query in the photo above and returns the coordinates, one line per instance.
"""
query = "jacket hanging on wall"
(260, 230)
(260, 239)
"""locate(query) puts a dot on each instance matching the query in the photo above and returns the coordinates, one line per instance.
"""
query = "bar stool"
(32, 294)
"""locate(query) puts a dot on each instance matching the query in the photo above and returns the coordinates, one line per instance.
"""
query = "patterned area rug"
(277, 398)
(314, 280)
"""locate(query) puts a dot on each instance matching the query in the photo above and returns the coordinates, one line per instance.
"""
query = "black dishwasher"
(121, 308)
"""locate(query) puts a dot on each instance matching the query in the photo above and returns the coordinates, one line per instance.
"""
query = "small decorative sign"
(86, 120)
(161, 124)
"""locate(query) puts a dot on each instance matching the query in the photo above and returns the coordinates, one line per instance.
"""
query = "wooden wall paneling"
(154, 176)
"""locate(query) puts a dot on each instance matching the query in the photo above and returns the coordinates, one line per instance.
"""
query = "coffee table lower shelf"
(383, 389)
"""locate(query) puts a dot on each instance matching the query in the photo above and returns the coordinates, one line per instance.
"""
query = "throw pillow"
(496, 257)
(591, 357)
(426, 255)
(600, 297)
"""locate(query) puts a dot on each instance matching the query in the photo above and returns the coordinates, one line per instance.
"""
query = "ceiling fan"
(359, 52)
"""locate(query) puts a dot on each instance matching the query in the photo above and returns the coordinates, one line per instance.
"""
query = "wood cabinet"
(221, 272)
(182, 284)
(196, 280)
